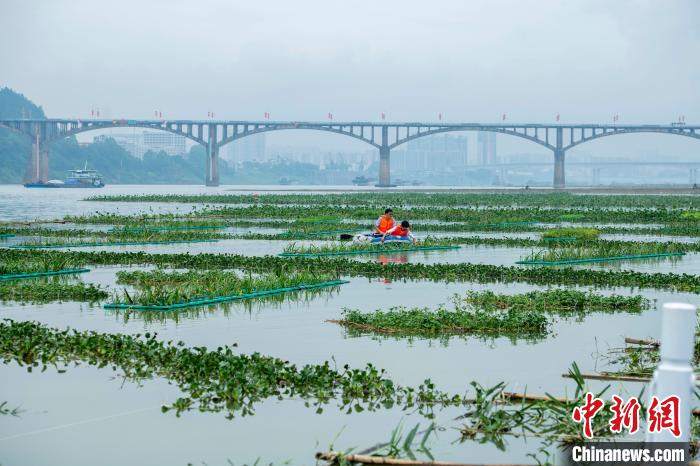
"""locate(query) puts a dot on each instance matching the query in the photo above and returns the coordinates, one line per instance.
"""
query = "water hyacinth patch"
(220, 380)
(10, 265)
(558, 301)
(691, 215)
(424, 322)
(500, 216)
(587, 234)
(378, 199)
(338, 266)
(160, 288)
(486, 313)
(248, 306)
(41, 291)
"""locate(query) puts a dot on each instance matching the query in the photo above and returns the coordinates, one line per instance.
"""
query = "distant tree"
(15, 105)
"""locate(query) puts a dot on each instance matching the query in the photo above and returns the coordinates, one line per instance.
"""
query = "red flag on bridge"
(383, 116)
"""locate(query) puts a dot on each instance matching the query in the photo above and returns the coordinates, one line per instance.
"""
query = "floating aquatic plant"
(39, 291)
(338, 266)
(215, 380)
(162, 288)
(424, 322)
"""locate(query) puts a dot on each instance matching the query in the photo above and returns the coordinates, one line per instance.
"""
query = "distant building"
(439, 152)
(486, 148)
(162, 141)
(246, 149)
(132, 143)
(138, 144)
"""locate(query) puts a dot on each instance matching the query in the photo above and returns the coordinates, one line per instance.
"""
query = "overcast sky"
(469, 60)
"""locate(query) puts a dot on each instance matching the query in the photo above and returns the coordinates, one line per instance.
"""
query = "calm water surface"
(117, 422)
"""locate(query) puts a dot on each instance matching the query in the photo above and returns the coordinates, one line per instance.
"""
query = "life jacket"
(385, 223)
(401, 231)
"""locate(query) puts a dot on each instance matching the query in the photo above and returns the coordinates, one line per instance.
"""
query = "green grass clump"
(39, 291)
(570, 217)
(425, 322)
(161, 288)
(493, 416)
(600, 249)
(41, 263)
(214, 380)
(558, 301)
(691, 215)
(586, 234)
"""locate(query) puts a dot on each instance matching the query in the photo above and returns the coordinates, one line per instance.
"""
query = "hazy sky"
(470, 60)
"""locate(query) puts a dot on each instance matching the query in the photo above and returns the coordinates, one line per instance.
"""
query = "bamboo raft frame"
(601, 259)
(334, 456)
(20, 276)
(637, 341)
(222, 299)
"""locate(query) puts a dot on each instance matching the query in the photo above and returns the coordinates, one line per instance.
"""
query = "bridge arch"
(73, 132)
(679, 132)
(451, 129)
(267, 129)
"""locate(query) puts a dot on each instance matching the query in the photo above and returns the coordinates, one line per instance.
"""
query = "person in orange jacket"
(403, 230)
(384, 223)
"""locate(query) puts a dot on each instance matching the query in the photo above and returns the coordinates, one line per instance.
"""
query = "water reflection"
(443, 340)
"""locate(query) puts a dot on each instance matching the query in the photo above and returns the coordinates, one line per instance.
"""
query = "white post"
(674, 374)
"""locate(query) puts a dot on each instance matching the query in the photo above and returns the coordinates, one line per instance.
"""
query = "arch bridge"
(385, 136)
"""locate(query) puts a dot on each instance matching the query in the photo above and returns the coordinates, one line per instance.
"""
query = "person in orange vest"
(384, 223)
(403, 230)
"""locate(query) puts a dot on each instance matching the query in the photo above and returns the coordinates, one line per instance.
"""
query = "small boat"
(370, 238)
(76, 179)
(361, 181)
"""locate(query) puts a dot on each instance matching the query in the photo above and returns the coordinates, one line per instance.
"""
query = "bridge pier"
(559, 159)
(559, 176)
(384, 168)
(38, 166)
(212, 175)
